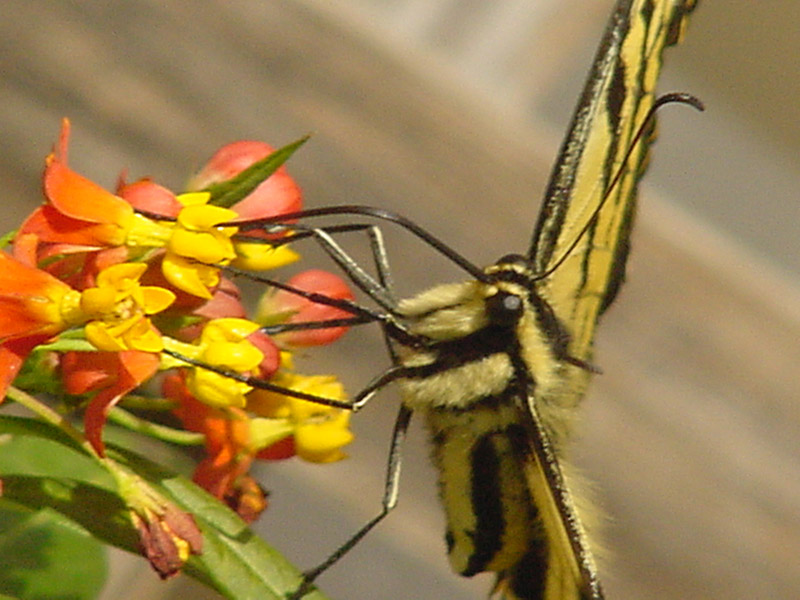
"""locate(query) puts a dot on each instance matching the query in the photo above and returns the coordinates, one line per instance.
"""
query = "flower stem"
(142, 402)
(48, 415)
(167, 434)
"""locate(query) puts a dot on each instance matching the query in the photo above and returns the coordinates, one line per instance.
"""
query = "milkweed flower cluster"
(114, 293)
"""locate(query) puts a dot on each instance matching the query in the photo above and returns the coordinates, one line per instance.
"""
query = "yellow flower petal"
(193, 198)
(143, 336)
(69, 309)
(209, 247)
(189, 276)
(204, 217)
(155, 299)
(121, 276)
(229, 329)
(261, 257)
(240, 357)
(145, 233)
(98, 301)
(216, 390)
(99, 336)
(322, 442)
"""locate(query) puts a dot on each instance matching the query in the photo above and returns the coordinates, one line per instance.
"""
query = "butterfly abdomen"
(491, 518)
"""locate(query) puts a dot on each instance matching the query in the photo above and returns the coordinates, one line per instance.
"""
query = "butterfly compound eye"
(504, 309)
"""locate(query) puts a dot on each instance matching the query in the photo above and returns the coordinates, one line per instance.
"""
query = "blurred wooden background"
(450, 113)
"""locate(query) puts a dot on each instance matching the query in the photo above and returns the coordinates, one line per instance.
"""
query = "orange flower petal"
(148, 195)
(17, 278)
(126, 371)
(77, 197)
(52, 226)
(29, 300)
(17, 319)
(12, 355)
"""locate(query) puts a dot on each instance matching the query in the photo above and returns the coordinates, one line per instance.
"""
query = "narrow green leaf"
(100, 512)
(42, 457)
(42, 468)
(7, 238)
(227, 193)
(22, 426)
(235, 561)
(46, 557)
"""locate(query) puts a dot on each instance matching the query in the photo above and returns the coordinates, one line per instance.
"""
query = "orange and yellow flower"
(118, 309)
(81, 217)
(91, 276)
(34, 306)
(223, 344)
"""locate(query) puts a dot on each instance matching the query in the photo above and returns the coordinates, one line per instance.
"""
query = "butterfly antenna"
(284, 222)
(674, 97)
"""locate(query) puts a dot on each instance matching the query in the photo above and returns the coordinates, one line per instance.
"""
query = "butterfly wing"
(563, 567)
(612, 108)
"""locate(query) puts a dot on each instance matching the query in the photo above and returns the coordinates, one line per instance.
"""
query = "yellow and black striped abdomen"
(492, 522)
(485, 351)
(490, 515)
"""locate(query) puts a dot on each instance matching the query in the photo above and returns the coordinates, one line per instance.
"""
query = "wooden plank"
(691, 433)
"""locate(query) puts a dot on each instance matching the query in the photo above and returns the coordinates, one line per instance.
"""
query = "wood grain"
(692, 431)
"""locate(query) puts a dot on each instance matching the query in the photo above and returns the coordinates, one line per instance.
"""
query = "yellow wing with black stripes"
(582, 241)
(612, 108)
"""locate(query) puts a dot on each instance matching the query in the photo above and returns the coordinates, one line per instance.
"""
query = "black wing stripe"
(487, 503)
(616, 99)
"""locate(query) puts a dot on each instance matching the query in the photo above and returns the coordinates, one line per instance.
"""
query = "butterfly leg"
(390, 495)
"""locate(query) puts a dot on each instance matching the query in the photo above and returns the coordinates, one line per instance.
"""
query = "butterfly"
(497, 365)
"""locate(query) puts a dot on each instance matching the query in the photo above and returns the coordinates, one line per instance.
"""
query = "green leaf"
(235, 561)
(40, 457)
(15, 427)
(42, 468)
(7, 238)
(229, 192)
(46, 557)
(100, 512)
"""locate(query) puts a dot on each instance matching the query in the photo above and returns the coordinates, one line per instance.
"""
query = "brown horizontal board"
(692, 431)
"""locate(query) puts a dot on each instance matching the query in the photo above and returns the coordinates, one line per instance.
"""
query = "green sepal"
(7, 238)
(229, 192)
